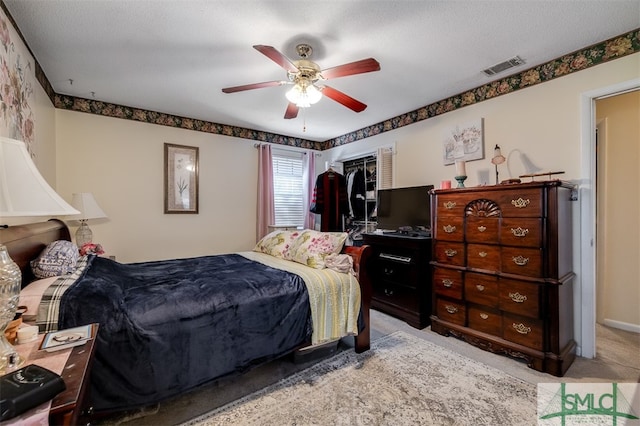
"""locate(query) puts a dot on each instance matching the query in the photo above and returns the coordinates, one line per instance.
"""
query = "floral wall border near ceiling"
(614, 48)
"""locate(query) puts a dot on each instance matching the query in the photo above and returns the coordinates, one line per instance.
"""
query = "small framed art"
(463, 142)
(180, 179)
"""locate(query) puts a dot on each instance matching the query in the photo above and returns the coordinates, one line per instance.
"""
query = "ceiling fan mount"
(304, 74)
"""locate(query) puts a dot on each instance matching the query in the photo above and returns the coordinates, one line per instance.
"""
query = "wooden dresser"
(400, 277)
(502, 270)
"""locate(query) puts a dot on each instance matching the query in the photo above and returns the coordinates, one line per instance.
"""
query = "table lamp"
(498, 158)
(23, 192)
(89, 209)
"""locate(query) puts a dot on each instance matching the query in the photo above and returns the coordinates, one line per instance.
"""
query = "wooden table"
(69, 405)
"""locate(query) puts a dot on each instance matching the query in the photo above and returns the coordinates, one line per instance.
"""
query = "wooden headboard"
(25, 242)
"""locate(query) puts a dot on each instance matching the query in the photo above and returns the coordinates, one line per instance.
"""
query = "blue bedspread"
(170, 326)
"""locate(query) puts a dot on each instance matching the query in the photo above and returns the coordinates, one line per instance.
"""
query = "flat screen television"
(404, 207)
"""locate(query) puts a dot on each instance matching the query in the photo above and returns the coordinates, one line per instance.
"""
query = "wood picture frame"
(181, 179)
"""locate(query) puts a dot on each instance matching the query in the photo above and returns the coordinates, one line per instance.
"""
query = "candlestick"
(461, 168)
(461, 180)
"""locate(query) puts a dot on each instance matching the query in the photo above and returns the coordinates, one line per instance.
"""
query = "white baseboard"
(634, 328)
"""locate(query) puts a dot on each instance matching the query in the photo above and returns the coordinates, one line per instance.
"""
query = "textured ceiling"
(176, 56)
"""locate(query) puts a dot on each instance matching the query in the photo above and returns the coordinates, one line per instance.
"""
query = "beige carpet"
(403, 380)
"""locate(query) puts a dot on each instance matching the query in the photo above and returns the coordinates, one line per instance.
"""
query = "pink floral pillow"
(311, 247)
(277, 244)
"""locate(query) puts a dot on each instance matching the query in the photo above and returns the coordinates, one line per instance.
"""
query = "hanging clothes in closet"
(330, 200)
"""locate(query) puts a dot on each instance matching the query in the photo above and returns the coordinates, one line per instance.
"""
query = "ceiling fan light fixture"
(304, 95)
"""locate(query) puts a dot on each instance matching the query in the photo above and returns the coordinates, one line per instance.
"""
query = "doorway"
(590, 202)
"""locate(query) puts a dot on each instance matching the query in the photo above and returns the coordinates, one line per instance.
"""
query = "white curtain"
(266, 210)
(309, 181)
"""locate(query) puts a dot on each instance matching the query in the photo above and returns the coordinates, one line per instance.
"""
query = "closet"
(361, 189)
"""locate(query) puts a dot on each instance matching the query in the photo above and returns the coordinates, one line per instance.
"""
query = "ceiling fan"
(304, 74)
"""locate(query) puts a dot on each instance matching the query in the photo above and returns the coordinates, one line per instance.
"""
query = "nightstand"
(69, 405)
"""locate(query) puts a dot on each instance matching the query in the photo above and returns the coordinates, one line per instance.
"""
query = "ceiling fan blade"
(357, 67)
(292, 111)
(343, 99)
(277, 57)
(253, 86)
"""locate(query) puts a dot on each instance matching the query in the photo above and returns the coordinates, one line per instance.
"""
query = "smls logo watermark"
(567, 404)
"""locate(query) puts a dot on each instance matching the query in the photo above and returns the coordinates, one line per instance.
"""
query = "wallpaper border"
(599, 53)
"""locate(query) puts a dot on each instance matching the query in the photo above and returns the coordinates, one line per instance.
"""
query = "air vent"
(503, 66)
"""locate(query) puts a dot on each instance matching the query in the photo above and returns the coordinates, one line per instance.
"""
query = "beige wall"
(618, 281)
(121, 163)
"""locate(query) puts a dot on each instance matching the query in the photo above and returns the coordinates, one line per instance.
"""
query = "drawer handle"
(447, 282)
(451, 309)
(519, 232)
(520, 260)
(449, 229)
(517, 297)
(480, 287)
(389, 271)
(483, 254)
(520, 203)
(482, 228)
(449, 205)
(388, 292)
(521, 328)
(450, 252)
(484, 316)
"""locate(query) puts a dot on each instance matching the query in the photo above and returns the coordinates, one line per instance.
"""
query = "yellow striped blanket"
(334, 297)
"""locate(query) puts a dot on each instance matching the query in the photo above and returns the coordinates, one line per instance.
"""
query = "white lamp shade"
(23, 190)
(89, 208)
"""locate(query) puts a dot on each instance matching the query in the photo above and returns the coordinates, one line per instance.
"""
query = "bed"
(167, 327)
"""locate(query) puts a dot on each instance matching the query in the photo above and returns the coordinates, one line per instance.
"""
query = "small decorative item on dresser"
(461, 173)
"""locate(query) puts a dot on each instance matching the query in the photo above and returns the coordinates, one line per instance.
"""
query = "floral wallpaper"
(17, 79)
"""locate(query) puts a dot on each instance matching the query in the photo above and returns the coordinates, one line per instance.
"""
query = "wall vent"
(503, 66)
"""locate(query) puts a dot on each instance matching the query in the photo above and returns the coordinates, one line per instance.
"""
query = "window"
(288, 188)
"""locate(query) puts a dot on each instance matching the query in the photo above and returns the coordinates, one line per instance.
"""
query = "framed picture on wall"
(180, 179)
(463, 142)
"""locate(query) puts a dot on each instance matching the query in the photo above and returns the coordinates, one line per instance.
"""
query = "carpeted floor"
(617, 361)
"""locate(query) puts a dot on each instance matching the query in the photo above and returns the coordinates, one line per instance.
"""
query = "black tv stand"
(401, 276)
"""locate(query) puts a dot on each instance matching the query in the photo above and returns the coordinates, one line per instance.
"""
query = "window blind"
(384, 167)
(288, 195)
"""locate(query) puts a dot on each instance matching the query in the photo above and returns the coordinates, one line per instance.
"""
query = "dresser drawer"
(482, 230)
(447, 282)
(397, 295)
(522, 330)
(521, 232)
(451, 204)
(448, 310)
(397, 271)
(481, 289)
(449, 228)
(483, 256)
(485, 320)
(522, 261)
(520, 202)
(519, 297)
(449, 253)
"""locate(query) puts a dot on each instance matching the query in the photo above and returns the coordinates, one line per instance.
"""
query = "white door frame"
(587, 211)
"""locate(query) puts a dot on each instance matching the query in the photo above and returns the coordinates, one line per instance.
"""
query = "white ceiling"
(175, 56)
